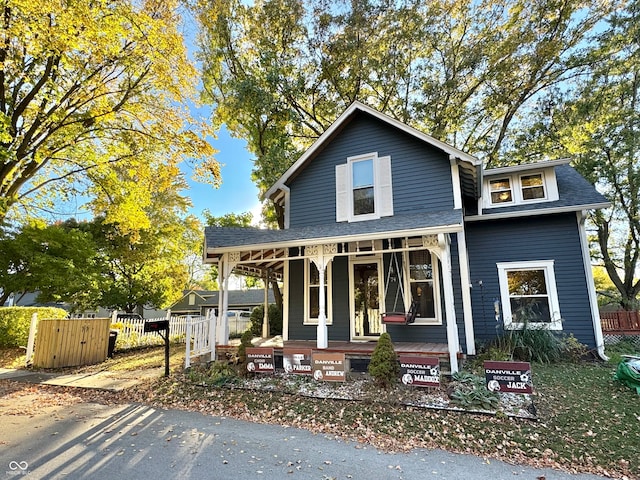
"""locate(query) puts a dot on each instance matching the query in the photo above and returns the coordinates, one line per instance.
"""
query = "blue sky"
(238, 193)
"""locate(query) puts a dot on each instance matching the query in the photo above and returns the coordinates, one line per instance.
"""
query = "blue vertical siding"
(421, 173)
(554, 238)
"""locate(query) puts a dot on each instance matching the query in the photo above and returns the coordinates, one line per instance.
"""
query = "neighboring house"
(199, 302)
(378, 214)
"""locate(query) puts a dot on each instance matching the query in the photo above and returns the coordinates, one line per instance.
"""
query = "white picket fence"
(131, 332)
(201, 337)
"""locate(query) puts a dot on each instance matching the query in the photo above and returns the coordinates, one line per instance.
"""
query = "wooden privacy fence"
(71, 342)
(621, 322)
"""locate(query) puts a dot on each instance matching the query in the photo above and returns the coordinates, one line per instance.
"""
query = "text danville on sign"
(260, 360)
(420, 371)
(508, 377)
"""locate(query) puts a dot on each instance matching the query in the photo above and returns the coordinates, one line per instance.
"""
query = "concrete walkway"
(109, 381)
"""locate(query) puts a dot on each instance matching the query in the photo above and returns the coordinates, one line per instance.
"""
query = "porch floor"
(365, 349)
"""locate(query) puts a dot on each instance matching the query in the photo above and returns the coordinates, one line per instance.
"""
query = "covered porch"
(339, 253)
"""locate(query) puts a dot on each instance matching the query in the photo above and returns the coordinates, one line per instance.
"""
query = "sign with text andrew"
(420, 371)
(508, 377)
(297, 360)
(328, 366)
(260, 360)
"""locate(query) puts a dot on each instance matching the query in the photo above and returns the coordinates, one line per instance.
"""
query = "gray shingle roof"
(220, 237)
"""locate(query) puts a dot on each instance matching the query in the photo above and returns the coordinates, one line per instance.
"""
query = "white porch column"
(323, 256)
(225, 267)
(265, 318)
(465, 281)
(453, 341)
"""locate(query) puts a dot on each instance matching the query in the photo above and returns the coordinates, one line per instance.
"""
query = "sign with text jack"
(508, 377)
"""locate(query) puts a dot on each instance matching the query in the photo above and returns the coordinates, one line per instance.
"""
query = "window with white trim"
(519, 189)
(364, 188)
(529, 296)
(532, 187)
(312, 293)
(501, 190)
(422, 283)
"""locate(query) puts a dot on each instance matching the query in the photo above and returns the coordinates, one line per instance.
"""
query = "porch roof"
(238, 238)
(266, 249)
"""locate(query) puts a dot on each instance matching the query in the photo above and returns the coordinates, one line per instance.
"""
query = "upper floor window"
(532, 186)
(514, 188)
(501, 190)
(364, 188)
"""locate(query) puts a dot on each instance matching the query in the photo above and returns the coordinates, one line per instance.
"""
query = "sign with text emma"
(329, 367)
(508, 377)
(420, 371)
(260, 360)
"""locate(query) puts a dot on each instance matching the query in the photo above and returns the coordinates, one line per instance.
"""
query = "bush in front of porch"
(384, 367)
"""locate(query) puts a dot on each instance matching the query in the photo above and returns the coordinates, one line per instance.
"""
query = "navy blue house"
(382, 218)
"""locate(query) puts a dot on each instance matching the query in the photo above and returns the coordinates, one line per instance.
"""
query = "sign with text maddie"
(260, 360)
(508, 377)
(297, 360)
(329, 367)
(420, 371)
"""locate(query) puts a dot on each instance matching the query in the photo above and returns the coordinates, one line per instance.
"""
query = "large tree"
(89, 86)
(279, 72)
(597, 123)
(57, 261)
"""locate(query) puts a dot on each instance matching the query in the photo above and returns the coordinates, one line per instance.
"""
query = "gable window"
(532, 186)
(192, 299)
(501, 190)
(529, 296)
(312, 293)
(364, 188)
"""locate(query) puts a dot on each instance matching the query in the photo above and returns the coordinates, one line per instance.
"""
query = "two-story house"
(379, 216)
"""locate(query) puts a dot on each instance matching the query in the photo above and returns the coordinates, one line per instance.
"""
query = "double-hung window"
(532, 187)
(312, 293)
(501, 190)
(364, 188)
(529, 296)
(422, 283)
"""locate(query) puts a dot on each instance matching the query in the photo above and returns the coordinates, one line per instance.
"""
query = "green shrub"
(16, 321)
(275, 320)
(470, 392)
(245, 341)
(384, 366)
(217, 374)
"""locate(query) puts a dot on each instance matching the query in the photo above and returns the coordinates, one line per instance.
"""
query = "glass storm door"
(365, 299)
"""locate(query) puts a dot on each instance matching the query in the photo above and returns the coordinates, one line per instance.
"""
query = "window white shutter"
(342, 192)
(384, 183)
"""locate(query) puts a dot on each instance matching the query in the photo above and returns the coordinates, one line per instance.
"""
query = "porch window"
(364, 188)
(312, 293)
(501, 190)
(532, 187)
(423, 286)
(529, 296)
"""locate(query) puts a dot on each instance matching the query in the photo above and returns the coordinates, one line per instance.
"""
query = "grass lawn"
(588, 422)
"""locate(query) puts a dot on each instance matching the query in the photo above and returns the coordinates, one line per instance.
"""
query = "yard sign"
(508, 377)
(420, 371)
(297, 360)
(260, 360)
(328, 366)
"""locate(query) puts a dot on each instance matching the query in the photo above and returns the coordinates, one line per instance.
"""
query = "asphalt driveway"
(91, 441)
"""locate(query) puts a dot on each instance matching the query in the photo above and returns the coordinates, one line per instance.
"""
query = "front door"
(364, 279)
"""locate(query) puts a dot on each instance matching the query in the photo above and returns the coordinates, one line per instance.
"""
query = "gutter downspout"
(591, 288)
